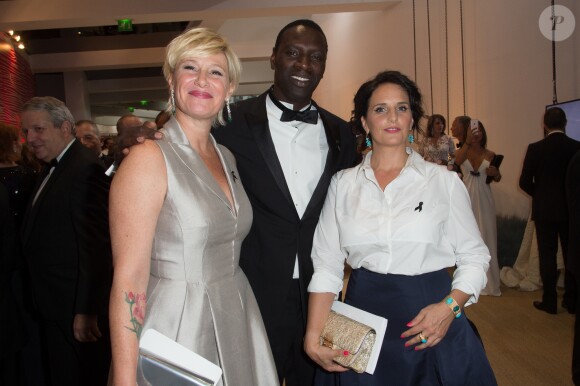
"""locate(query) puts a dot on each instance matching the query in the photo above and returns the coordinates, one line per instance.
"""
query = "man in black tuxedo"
(285, 165)
(573, 195)
(543, 177)
(66, 245)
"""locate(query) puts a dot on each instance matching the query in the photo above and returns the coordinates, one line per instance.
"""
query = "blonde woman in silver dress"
(178, 215)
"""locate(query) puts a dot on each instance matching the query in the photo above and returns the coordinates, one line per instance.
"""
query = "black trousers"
(548, 233)
(287, 340)
(68, 362)
(576, 346)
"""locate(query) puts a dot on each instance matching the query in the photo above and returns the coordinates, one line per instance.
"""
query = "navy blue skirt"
(459, 359)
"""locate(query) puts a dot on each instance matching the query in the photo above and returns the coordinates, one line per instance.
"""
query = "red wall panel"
(16, 83)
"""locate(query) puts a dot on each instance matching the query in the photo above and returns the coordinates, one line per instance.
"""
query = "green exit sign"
(125, 25)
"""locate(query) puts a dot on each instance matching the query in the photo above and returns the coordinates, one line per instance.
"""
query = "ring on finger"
(422, 337)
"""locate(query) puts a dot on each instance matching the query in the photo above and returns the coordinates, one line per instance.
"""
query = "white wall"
(508, 69)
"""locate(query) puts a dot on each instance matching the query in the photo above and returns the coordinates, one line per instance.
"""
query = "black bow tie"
(307, 116)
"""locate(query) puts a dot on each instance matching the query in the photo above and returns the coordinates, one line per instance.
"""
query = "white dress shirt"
(302, 149)
(422, 222)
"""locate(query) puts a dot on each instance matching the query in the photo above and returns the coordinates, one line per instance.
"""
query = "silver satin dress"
(197, 293)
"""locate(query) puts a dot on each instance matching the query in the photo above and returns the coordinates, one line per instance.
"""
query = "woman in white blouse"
(400, 222)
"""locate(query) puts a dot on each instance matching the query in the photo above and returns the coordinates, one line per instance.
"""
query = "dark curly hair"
(364, 93)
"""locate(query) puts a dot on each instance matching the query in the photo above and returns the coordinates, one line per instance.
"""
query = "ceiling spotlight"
(11, 32)
(21, 46)
(17, 38)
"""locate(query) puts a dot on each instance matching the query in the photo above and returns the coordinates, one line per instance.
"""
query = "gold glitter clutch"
(343, 333)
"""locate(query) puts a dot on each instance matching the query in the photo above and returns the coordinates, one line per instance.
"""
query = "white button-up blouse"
(422, 222)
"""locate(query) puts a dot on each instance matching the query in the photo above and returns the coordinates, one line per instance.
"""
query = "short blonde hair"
(200, 42)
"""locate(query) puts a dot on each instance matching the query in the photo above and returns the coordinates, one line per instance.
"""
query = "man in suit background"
(87, 133)
(287, 148)
(66, 245)
(543, 177)
(128, 126)
(573, 196)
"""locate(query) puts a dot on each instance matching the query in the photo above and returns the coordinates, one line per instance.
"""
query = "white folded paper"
(163, 357)
(378, 323)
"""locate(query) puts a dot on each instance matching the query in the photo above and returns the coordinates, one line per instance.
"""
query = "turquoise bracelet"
(453, 306)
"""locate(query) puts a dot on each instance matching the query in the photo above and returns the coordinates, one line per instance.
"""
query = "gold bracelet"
(454, 306)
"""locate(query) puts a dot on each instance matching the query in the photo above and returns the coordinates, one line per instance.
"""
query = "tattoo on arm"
(137, 303)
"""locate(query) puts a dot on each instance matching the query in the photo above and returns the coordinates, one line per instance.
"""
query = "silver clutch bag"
(157, 372)
(164, 362)
(343, 333)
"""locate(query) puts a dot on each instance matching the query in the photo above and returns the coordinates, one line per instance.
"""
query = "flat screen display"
(572, 110)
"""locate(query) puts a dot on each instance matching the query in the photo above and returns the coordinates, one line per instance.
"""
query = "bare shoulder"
(143, 168)
(143, 156)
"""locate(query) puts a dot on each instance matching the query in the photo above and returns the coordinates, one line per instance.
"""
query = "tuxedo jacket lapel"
(32, 210)
(332, 159)
(258, 123)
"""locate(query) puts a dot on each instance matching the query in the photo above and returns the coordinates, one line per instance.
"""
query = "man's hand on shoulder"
(135, 135)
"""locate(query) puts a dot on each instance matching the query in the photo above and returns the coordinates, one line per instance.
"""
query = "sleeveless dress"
(197, 293)
(483, 207)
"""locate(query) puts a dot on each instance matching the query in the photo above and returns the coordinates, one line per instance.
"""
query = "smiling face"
(201, 86)
(388, 118)
(45, 140)
(298, 65)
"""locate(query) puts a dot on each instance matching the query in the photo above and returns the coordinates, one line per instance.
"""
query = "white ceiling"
(251, 27)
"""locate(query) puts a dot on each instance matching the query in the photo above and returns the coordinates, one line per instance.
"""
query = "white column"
(77, 95)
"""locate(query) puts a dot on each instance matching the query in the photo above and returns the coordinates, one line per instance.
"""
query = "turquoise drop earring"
(368, 142)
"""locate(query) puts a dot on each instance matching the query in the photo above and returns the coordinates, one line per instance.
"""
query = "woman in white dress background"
(475, 159)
